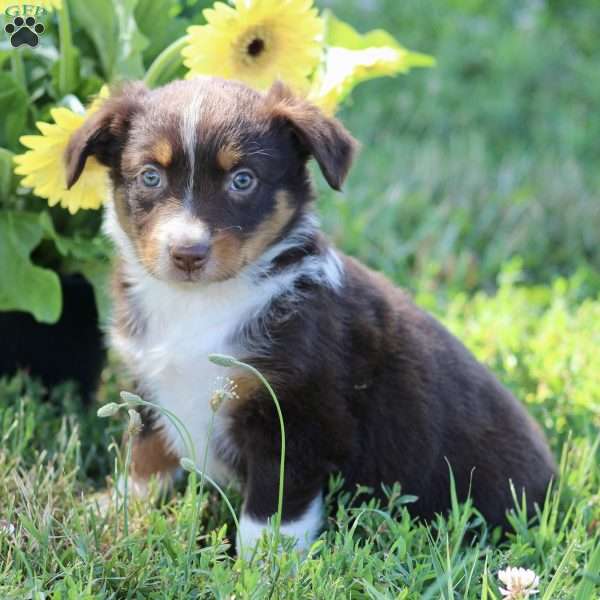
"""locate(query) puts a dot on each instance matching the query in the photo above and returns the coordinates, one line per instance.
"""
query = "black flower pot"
(70, 350)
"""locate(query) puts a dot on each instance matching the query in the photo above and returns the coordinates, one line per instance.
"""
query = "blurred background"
(490, 158)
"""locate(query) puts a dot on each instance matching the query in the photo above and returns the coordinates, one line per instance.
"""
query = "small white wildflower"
(135, 425)
(227, 390)
(108, 410)
(519, 583)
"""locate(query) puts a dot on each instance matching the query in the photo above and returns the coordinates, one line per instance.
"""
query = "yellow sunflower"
(257, 42)
(44, 169)
(47, 4)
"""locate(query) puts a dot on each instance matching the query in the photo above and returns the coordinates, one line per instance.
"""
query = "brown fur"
(246, 387)
(270, 229)
(121, 313)
(151, 456)
(123, 212)
(331, 145)
(228, 255)
(369, 385)
(104, 133)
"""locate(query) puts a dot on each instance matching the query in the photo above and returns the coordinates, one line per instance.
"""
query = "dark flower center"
(255, 47)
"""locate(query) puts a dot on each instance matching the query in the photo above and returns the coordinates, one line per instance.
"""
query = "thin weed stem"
(126, 485)
(229, 361)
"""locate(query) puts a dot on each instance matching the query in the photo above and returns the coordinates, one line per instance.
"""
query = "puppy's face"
(207, 174)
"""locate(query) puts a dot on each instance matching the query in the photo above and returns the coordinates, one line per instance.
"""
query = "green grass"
(55, 457)
(477, 189)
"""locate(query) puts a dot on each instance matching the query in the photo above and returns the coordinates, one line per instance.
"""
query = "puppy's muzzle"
(190, 258)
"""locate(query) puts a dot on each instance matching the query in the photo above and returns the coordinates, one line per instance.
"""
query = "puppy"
(219, 252)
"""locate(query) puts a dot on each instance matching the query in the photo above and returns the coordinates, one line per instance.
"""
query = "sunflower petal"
(43, 170)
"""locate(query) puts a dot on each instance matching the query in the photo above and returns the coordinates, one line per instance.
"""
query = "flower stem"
(177, 422)
(126, 487)
(230, 361)
(191, 451)
(18, 67)
(219, 490)
(66, 64)
(196, 503)
(165, 63)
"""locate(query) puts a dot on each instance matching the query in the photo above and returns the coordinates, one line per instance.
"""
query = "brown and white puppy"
(219, 252)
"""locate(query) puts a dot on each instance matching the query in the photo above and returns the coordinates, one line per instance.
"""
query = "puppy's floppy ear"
(322, 136)
(104, 133)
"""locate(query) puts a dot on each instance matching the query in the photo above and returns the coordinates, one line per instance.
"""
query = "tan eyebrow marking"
(163, 152)
(228, 156)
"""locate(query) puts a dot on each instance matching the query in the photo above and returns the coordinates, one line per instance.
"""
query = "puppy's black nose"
(190, 258)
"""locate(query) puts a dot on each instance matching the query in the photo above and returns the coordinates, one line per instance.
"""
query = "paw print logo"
(24, 31)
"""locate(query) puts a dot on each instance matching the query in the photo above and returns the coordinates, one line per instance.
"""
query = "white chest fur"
(182, 327)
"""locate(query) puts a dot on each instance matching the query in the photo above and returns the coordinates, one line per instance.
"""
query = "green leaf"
(23, 285)
(98, 19)
(97, 272)
(168, 65)
(66, 70)
(341, 34)
(114, 31)
(352, 58)
(78, 247)
(150, 12)
(7, 176)
(131, 42)
(13, 108)
(89, 257)
(5, 56)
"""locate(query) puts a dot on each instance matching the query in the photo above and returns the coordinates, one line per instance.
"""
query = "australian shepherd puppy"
(220, 252)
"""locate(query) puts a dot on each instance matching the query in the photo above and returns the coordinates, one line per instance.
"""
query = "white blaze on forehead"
(189, 128)
(182, 230)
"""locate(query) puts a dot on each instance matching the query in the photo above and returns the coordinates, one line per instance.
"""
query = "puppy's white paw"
(303, 530)
(137, 490)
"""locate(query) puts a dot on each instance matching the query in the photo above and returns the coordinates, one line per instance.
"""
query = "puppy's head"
(207, 173)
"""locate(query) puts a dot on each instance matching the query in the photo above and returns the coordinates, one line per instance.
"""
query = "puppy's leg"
(151, 458)
(303, 529)
(303, 511)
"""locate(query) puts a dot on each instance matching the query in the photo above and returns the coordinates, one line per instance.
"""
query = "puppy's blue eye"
(151, 178)
(242, 181)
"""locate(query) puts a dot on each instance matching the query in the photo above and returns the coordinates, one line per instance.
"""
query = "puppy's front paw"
(103, 503)
(136, 489)
(139, 488)
(302, 530)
